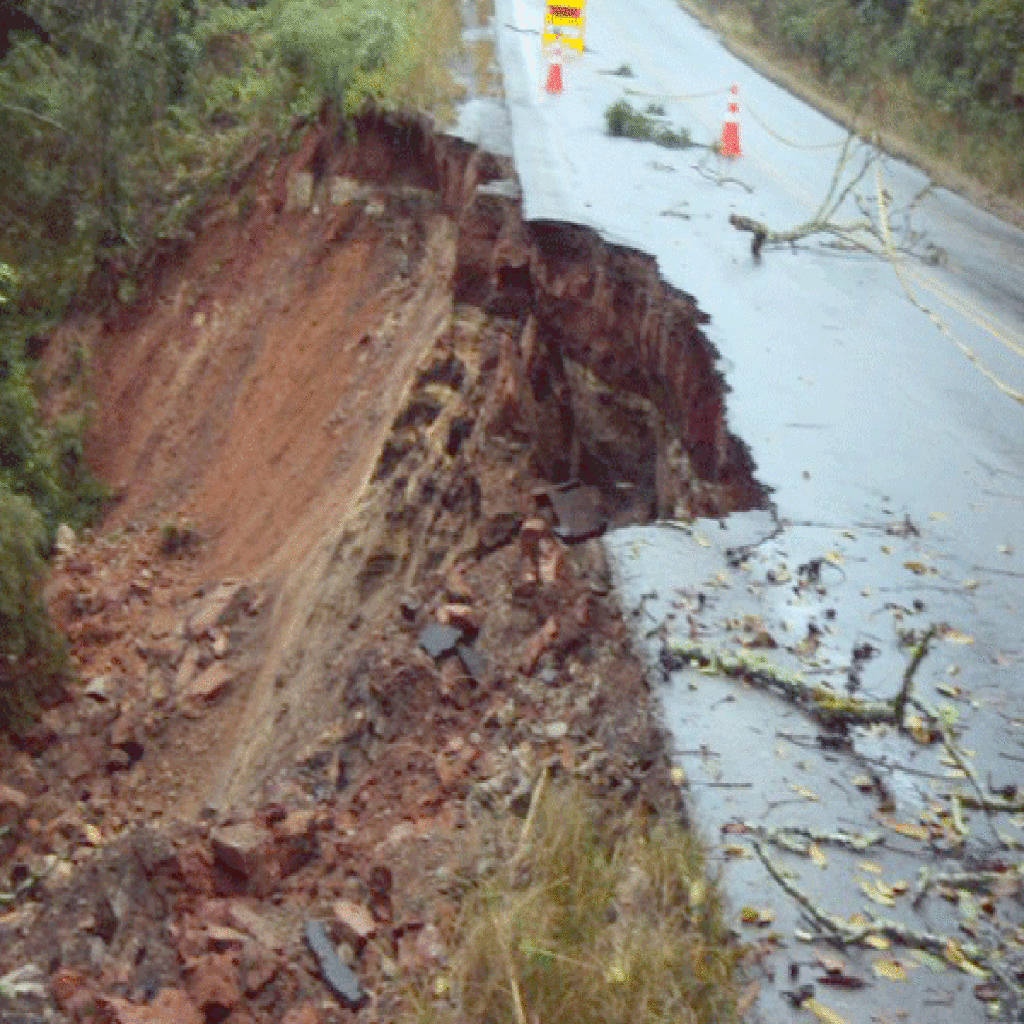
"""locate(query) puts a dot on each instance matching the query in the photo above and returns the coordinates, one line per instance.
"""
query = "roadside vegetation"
(589, 920)
(122, 120)
(942, 81)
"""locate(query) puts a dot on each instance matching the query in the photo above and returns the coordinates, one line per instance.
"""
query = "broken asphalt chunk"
(472, 661)
(437, 639)
(340, 977)
(579, 511)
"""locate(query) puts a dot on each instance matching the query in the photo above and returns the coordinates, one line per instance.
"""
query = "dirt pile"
(350, 602)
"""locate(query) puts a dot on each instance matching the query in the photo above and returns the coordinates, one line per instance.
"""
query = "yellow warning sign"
(566, 21)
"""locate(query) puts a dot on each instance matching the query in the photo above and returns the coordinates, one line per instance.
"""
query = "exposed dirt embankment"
(401, 416)
(542, 357)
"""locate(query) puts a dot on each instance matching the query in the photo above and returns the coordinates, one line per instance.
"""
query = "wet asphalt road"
(876, 396)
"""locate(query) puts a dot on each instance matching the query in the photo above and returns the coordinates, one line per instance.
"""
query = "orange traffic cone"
(553, 87)
(730, 144)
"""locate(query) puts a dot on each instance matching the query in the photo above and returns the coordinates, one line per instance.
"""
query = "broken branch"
(781, 835)
(844, 933)
(821, 702)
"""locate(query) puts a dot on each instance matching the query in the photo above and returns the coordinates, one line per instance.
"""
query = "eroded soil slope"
(349, 601)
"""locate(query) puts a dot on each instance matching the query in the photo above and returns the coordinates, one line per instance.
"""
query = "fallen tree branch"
(843, 932)
(781, 836)
(821, 702)
(975, 881)
(720, 179)
(900, 702)
(981, 800)
(823, 220)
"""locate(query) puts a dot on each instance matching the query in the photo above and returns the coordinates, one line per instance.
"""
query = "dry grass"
(592, 920)
(986, 168)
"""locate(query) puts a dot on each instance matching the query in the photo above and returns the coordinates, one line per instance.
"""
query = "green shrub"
(32, 654)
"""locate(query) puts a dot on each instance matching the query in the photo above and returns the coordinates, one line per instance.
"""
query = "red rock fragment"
(356, 923)
(295, 843)
(550, 561)
(539, 643)
(255, 924)
(459, 616)
(211, 683)
(243, 849)
(213, 984)
(74, 996)
(215, 610)
(171, 1006)
(457, 586)
(306, 1013)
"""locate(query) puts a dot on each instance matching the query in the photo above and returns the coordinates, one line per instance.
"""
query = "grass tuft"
(591, 921)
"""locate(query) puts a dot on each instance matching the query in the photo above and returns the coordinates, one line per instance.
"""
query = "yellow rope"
(967, 352)
(789, 142)
(676, 98)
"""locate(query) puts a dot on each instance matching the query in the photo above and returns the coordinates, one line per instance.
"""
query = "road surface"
(878, 394)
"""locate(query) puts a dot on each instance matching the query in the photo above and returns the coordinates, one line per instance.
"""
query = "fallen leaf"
(832, 964)
(968, 905)
(823, 1013)
(807, 794)
(876, 892)
(918, 568)
(917, 728)
(757, 916)
(889, 968)
(954, 636)
(702, 541)
(956, 956)
(814, 852)
(930, 961)
(761, 639)
(834, 557)
(863, 783)
(876, 941)
(735, 850)
(869, 865)
(735, 828)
